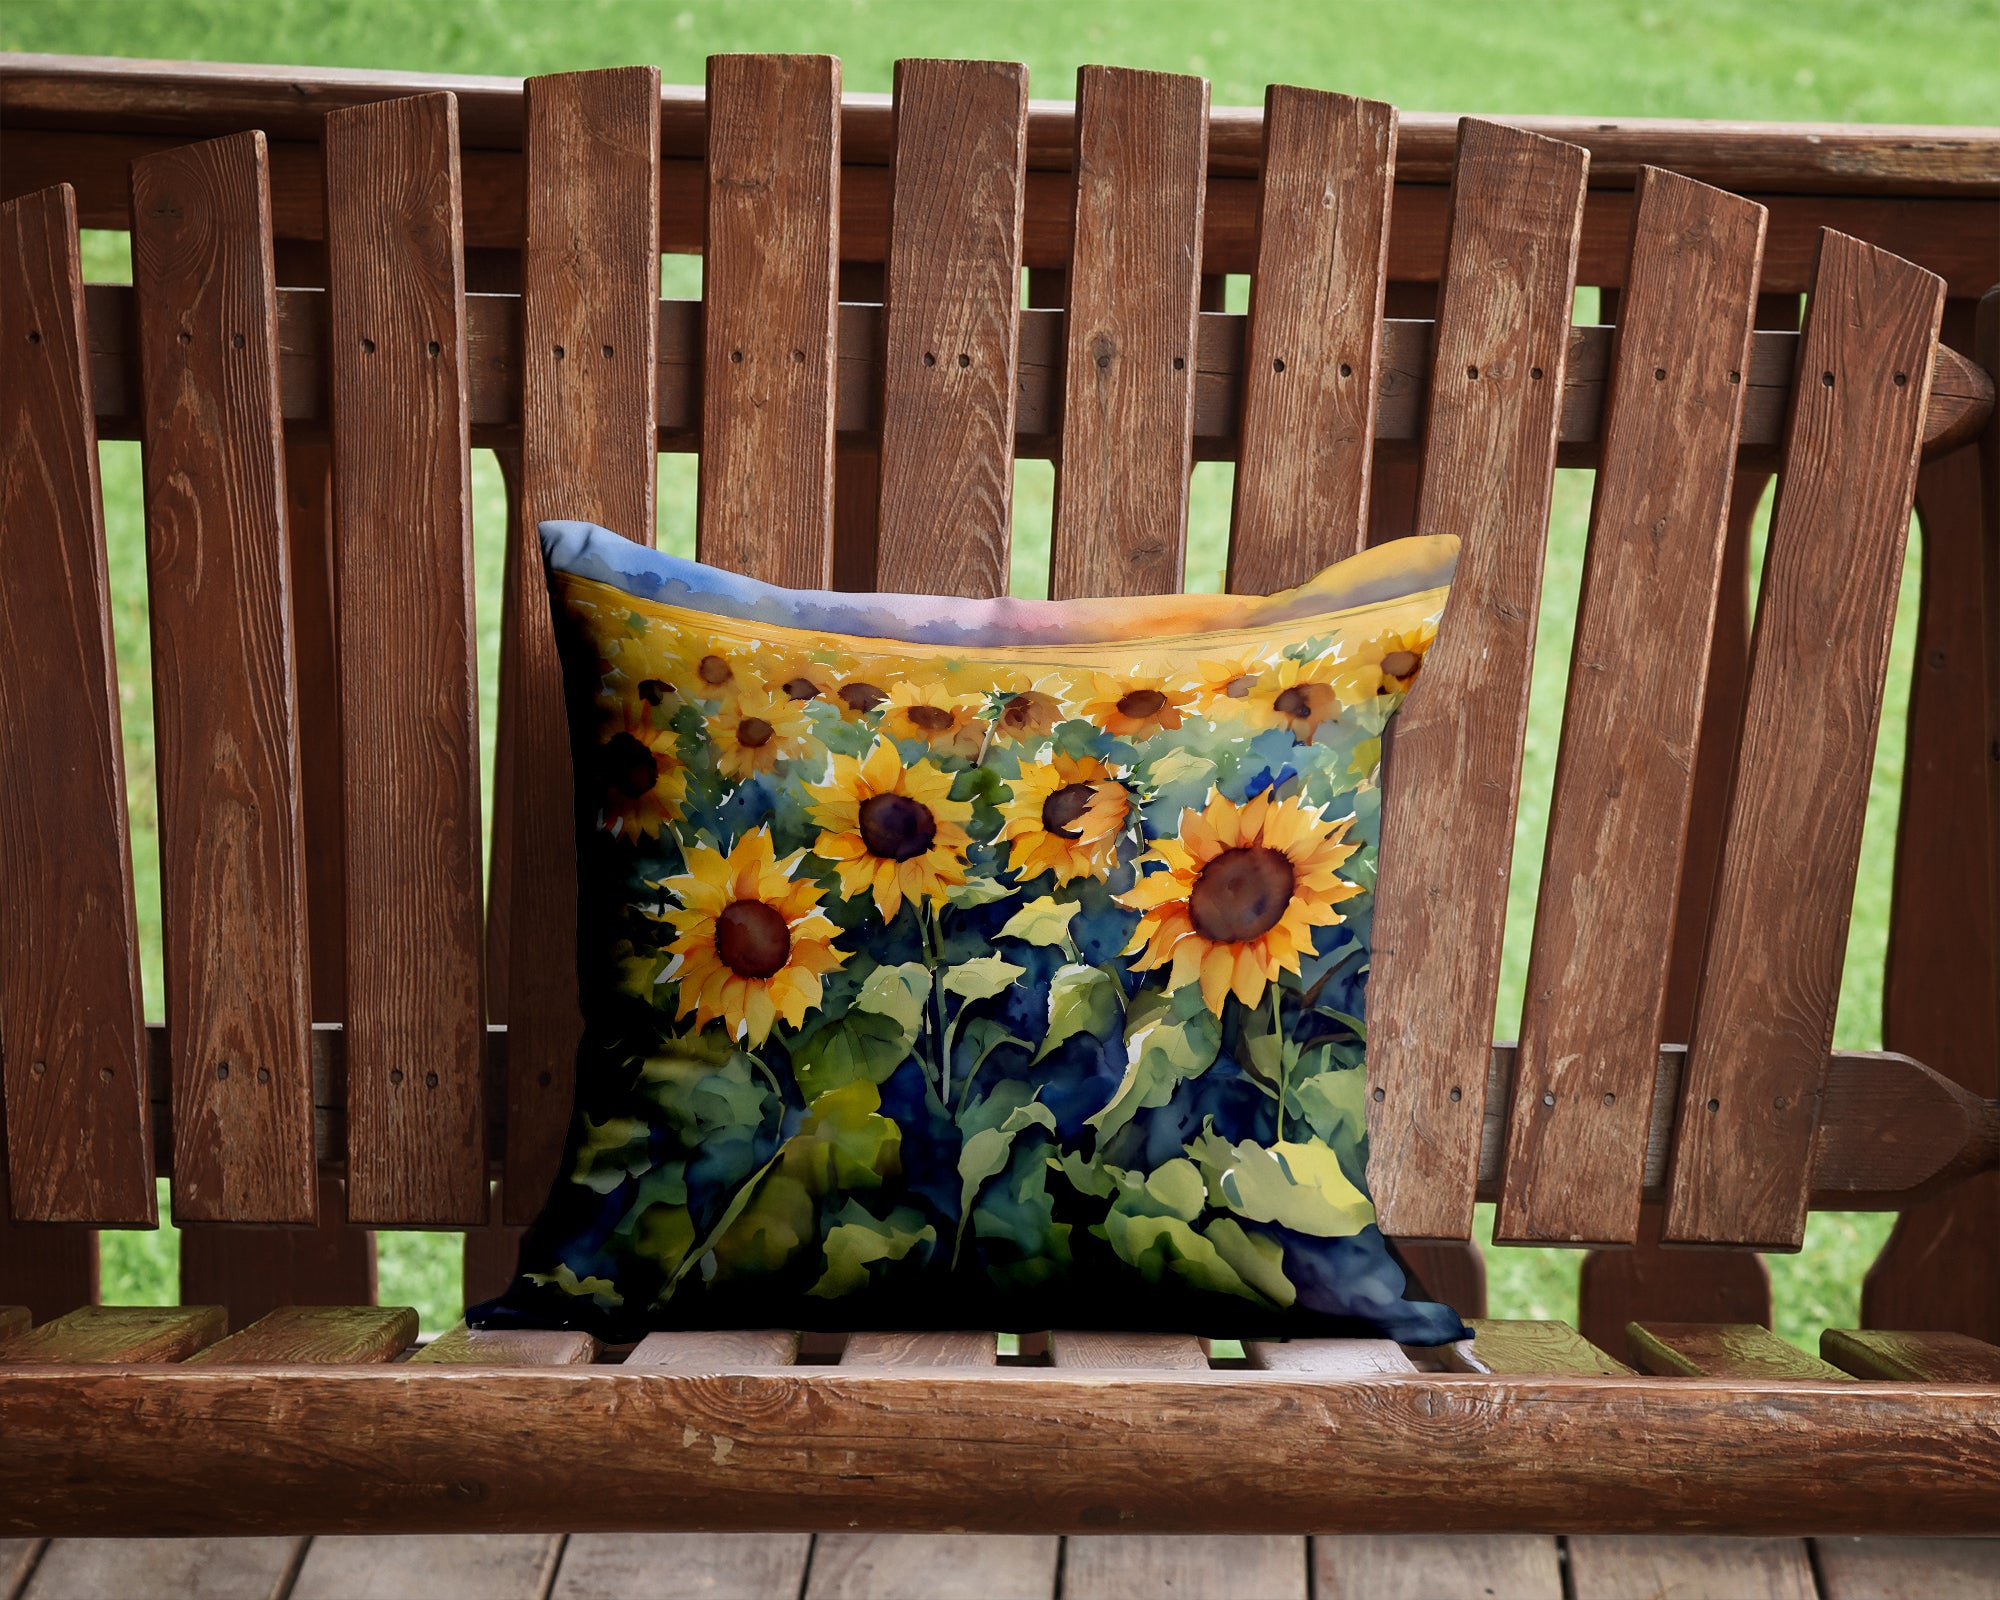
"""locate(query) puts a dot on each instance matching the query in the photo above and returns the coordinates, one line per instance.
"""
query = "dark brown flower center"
(752, 938)
(713, 670)
(1294, 702)
(1401, 663)
(862, 696)
(1239, 688)
(1142, 703)
(653, 691)
(1019, 713)
(932, 719)
(629, 767)
(802, 689)
(1063, 807)
(1241, 894)
(894, 827)
(753, 733)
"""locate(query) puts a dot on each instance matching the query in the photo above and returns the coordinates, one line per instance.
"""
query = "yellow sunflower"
(1028, 708)
(708, 671)
(755, 730)
(929, 713)
(1243, 889)
(753, 941)
(891, 829)
(1065, 817)
(640, 771)
(1386, 664)
(1301, 695)
(860, 690)
(1224, 688)
(799, 677)
(1138, 705)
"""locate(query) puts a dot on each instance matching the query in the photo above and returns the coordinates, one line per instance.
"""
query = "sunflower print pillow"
(994, 965)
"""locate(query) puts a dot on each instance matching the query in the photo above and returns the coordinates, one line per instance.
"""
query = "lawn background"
(1831, 60)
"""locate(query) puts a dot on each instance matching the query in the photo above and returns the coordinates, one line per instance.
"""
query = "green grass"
(1860, 60)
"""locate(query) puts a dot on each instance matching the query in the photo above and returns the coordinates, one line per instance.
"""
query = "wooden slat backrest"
(78, 1133)
(1129, 336)
(951, 323)
(770, 278)
(1597, 973)
(1764, 1020)
(1315, 337)
(409, 702)
(232, 868)
(590, 333)
(1447, 835)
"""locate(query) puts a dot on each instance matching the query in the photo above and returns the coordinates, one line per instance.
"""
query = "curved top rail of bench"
(107, 94)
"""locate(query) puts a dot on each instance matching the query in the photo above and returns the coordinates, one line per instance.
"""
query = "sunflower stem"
(927, 920)
(1277, 1033)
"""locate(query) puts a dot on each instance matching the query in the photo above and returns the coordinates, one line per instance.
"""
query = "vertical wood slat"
(1771, 981)
(1455, 764)
(1314, 337)
(49, 1267)
(951, 326)
(1129, 336)
(255, 1271)
(409, 698)
(79, 1144)
(232, 865)
(589, 341)
(770, 277)
(1597, 972)
(1987, 349)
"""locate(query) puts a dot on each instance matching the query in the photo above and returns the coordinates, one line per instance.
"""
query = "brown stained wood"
(769, 282)
(1764, 1019)
(48, 1267)
(951, 323)
(1511, 1348)
(1314, 337)
(1108, 1352)
(77, 1129)
(409, 700)
(1907, 1569)
(1364, 1566)
(1618, 1566)
(184, 1569)
(631, 1566)
(1215, 1567)
(719, 1351)
(489, 1566)
(1917, 1357)
(939, 1566)
(316, 668)
(232, 867)
(492, 1254)
(316, 1335)
(1647, 1282)
(13, 1320)
(1454, 769)
(920, 1350)
(1598, 968)
(1721, 1350)
(589, 343)
(508, 1347)
(254, 1271)
(1987, 344)
(1341, 1358)
(96, 1335)
(1454, 1270)
(1129, 334)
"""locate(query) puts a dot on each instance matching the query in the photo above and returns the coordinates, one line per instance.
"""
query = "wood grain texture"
(1987, 344)
(920, 1350)
(769, 280)
(1618, 1566)
(722, 1351)
(78, 1135)
(1510, 1348)
(1597, 970)
(460, 1346)
(13, 1320)
(502, 1566)
(589, 344)
(48, 1267)
(1455, 765)
(254, 1271)
(1314, 338)
(1107, 1352)
(1764, 1020)
(94, 1335)
(721, 1566)
(1721, 1350)
(951, 325)
(933, 1566)
(1363, 1566)
(1333, 1358)
(409, 699)
(1647, 1282)
(165, 1569)
(316, 1335)
(1129, 334)
(1212, 1566)
(1918, 1357)
(1907, 1569)
(232, 865)
(492, 1254)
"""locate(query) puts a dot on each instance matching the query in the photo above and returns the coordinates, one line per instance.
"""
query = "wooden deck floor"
(859, 1566)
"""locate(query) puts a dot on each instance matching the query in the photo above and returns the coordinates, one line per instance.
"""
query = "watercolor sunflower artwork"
(955, 964)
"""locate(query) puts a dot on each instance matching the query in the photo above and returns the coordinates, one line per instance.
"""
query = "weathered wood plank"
(724, 1566)
(1617, 1566)
(1454, 771)
(1721, 1350)
(1147, 1352)
(1214, 1566)
(933, 1566)
(1907, 1569)
(165, 1569)
(461, 1346)
(951, 325)
(78, 1135)
(1764, 1020)
(1346, 1358)
(720, 1351)
(467, 1566)
(319, 1335)
(1510, 1348)
(1649, 1282)
(232, 867)
(770, 275)
(1364, 1566)
(1918, 1357)
(1597, 971)
(920, 1350)
(1129, 334)
(1314, 339)
(409, 699)
(97, 1335)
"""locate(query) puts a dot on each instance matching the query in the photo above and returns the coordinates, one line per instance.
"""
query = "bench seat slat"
(316, 1335)
(1518, 1348)
(115, 1335)
(721, 1351)
(1918, 1357)
(1721, 1350)
(508, 1347)
(255, 1271)
(1328, 1357)
(1156, 1352)
(78, 1134)
(920, 1350)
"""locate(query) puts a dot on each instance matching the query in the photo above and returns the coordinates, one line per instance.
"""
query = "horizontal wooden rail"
(1892, 1129)
(1962, 394)
(200, 99)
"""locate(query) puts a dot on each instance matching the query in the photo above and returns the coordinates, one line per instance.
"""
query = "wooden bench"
(338, 963)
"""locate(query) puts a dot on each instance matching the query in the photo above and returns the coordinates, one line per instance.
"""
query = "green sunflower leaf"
(899, 992)
(982, 977)
(1043, 922)
(859, 1240)
(1160, 1057)
(977, 892)
(1081, 1000)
